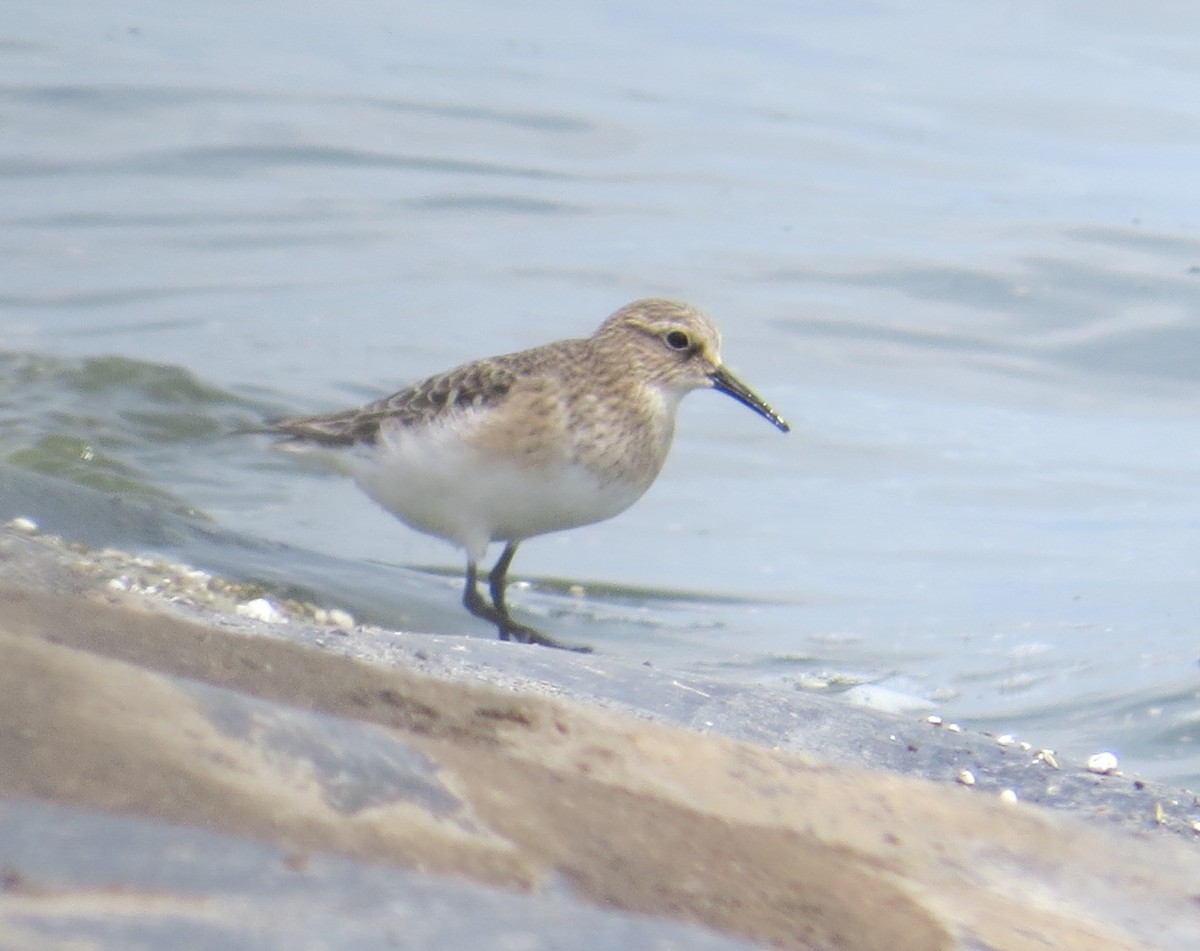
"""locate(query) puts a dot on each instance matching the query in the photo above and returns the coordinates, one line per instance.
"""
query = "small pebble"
(260, 609)
(1005, 739)
(343, 620)
(953, 727)
(933, 720)
(1008, 797)
(1103, 763)
(966, 777)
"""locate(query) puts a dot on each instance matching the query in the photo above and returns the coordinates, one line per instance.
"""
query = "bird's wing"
(473, 385)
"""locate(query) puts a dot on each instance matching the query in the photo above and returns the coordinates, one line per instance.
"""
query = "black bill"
(726, 382)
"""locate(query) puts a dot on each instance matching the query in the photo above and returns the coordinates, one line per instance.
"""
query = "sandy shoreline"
(443, 763)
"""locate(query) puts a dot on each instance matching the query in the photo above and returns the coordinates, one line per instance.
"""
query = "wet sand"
(118, 704)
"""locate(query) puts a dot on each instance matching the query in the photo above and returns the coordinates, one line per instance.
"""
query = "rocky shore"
(189, 762)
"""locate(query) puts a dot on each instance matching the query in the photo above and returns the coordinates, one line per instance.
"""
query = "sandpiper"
(509, 447)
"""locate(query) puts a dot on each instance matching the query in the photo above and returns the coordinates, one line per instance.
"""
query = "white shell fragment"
(1103, 763)
(875, 697)
(24, 525)
(333, 617)
(1008, 797)
(260, 609)
(966, 777)
(1047, 757)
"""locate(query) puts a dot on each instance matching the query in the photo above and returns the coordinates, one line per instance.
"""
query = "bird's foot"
(523, 634)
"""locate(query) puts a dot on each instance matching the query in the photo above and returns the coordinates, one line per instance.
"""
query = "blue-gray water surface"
(957, 246)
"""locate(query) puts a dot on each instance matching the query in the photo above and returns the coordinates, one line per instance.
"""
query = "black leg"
(498, 579)
(479, 605)
(497, 611)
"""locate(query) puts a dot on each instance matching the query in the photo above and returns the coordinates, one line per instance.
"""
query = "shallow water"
(957, 248)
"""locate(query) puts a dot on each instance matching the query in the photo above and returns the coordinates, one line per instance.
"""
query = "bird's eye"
(677, 340)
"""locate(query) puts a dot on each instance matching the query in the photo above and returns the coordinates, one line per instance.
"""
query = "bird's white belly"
(445, 487)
